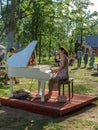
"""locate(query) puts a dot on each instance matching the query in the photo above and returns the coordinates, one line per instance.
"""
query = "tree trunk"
(12, 25)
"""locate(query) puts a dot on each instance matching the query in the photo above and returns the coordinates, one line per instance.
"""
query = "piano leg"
(43, 91)
(39, 90)
(11, 87)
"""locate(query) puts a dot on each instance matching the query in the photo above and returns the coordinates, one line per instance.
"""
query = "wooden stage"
(50, 107)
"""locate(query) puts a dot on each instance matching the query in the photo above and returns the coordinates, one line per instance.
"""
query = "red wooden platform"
(50, 107)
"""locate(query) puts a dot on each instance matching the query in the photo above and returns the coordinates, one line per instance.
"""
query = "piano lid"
(20, 59)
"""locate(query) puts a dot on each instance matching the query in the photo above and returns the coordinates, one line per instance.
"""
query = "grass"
(85, 82)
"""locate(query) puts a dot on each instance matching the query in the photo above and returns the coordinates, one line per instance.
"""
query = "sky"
(95, 6)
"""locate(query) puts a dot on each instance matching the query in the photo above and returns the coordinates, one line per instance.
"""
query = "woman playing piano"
(61, 72)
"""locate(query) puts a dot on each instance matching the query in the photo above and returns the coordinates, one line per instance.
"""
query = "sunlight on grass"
(83, 88)
(81, 124)
(54, 126)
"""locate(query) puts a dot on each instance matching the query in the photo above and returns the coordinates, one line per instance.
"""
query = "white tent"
(2, 47)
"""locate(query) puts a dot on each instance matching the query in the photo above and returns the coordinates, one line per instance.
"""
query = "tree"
(51, 22)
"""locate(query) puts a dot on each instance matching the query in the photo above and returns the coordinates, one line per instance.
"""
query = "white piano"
(18, 67)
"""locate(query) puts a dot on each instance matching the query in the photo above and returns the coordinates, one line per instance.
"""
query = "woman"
(85, 58)
(6, 78)
(92, 59)
(61, 72)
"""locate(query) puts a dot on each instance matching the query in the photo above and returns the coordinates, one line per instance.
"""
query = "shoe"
(5, 82)
(16, 82)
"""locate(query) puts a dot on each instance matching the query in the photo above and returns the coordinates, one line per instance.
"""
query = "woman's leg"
(52, 85)
(16, 81)
(5, 81)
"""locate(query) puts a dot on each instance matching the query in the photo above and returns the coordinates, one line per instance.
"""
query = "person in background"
(71, 60)
(61, 71)
(6, 78)
(92, 59)
(79, 57)
(85, 58)
(31, 60)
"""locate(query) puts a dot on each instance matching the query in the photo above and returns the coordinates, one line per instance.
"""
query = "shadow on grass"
(3, 86)
(30, 121)
(74, 68)
(94, 74)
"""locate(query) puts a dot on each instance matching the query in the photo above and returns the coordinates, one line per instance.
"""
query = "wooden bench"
(68, 82)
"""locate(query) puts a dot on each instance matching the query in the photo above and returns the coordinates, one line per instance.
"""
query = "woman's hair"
(64, 49)
(12, 49)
